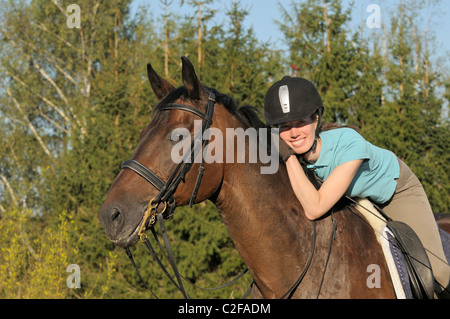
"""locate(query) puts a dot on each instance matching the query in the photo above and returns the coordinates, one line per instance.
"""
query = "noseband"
(167, 189)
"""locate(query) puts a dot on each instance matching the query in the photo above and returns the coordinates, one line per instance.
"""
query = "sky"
(264, 13)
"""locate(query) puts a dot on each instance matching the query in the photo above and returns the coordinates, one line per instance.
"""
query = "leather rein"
(163, 205)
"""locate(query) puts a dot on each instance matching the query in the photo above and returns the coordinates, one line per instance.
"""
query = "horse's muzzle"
(121, 227)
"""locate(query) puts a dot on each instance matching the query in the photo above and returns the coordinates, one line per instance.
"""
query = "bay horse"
(265, 220)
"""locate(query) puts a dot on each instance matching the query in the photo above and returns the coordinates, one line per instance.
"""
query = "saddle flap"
(418, 264)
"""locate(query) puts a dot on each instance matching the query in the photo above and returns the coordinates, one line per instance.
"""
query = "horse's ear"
(190, 80)
(160, 86)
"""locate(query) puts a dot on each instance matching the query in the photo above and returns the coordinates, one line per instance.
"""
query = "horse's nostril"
(115, 215)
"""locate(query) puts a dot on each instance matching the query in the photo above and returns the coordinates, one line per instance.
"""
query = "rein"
(164, 202)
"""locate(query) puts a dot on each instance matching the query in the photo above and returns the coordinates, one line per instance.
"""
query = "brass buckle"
(150, 216)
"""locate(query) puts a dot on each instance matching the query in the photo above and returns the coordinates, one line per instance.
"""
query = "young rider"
(349, 165)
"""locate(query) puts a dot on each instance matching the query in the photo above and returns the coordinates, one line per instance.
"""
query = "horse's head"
(156, 161)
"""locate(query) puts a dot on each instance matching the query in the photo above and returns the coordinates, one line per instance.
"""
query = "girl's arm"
(317, 202)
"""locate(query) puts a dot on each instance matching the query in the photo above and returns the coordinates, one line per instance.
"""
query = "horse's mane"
(247, 114)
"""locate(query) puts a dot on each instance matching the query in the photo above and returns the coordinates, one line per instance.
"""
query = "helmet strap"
(312, 148)
(318, 130)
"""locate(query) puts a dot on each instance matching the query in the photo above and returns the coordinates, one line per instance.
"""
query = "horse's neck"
(248, 197)
(265, 221)
(246, 191)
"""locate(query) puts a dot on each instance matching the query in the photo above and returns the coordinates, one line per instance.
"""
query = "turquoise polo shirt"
(375, 178)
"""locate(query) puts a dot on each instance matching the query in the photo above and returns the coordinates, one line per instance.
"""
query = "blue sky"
(263, 13)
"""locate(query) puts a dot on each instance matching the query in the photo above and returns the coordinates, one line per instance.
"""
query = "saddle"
(405, 255)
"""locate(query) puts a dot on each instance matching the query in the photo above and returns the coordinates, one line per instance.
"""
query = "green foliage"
(35, 267)
(324, 51)
(74, 101)
(409, 121)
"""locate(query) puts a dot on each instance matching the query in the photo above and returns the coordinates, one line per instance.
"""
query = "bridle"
(167, 189)
(164, 202)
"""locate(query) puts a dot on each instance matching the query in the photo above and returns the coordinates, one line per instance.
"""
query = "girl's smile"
(299, 135)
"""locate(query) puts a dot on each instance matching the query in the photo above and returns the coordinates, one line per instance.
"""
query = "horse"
(443, 221)
(287, 254)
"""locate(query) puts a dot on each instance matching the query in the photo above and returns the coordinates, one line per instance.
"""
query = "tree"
(409, 122)
(240, 65)
(204, 14)
(322, 50)
(69, 96)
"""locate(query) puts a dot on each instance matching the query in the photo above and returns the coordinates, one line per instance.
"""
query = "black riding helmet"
(292, 99)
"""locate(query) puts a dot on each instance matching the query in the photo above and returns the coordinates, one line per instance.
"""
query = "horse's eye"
(178, 135)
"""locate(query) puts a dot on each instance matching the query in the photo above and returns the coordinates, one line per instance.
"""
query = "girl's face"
(299, 135)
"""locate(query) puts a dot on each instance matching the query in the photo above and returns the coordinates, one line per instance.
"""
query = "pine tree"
(323, 51)
(204, 13)
(240, 65)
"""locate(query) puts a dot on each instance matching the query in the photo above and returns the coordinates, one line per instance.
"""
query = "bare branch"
(10, 190)
(43, 98)
(55, 2)
(44, 28)
(30, 125)
(49, 79)
(51, 59)
(59, 127)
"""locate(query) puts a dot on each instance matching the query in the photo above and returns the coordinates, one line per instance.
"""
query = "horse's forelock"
(170, 98)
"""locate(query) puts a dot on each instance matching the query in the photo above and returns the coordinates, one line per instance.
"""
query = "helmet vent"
(283, 93)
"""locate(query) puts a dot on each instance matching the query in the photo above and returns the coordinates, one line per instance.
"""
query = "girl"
(349, 165)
